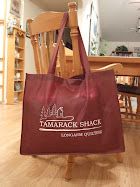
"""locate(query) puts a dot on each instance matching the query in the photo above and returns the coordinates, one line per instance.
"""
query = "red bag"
(76, 115)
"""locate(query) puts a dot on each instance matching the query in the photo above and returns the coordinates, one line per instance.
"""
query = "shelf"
(18, 80)
(1, 21)
(21, 59)
(16, 62)
(1, 71)
(19, 29)
(18, 91)
(1, 86)
(19, 48)
(19, 69)
(125, 52)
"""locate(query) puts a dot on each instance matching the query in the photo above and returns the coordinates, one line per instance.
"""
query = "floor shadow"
(85, 166)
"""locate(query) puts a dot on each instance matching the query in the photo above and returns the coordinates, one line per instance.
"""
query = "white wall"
(30, 11)
(84, 19)
(109, 46)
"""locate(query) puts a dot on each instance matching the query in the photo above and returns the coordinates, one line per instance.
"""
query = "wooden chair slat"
(51, 40)
(62, 59)
(44, 53)
(36, 54)
(45, 22)
(38, 50)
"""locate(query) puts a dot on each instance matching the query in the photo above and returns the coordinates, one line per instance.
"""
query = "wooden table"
(131, 65)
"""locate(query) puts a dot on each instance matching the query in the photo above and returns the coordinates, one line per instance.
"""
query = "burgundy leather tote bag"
(76, 115)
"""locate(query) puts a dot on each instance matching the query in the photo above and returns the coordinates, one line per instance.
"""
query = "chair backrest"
(42, 32)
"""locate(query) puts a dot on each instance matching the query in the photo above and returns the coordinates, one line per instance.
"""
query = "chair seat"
(128, 89)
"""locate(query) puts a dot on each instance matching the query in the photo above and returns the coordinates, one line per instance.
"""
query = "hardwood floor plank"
(48, 171)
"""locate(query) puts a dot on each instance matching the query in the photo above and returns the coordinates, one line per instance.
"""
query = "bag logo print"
(53, 111)
(53, 119)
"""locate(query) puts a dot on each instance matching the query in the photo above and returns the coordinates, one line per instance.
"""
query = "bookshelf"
(15, 68)
(2, 48)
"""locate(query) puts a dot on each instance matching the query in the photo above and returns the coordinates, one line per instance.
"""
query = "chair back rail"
(43, 37)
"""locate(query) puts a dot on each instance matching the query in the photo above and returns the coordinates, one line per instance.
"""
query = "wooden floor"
(48, 171)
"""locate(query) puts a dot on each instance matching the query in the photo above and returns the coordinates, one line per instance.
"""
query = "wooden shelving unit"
(15, 78)
(2, 58)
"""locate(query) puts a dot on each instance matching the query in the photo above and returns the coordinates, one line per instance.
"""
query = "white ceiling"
(117, 17)
(53, 5)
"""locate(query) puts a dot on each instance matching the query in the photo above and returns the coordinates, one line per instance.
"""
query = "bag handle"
(83, 55)
(82, 52)
(83, 58)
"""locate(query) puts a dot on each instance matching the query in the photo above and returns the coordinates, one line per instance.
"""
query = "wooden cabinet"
(2, 48)
(15, 68)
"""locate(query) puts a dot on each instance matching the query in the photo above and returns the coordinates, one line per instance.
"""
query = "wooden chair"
(126, 87)
(127, 92)
(43, 44)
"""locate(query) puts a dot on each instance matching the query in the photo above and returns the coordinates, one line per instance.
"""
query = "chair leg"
(119, 157)
(121, 97)
(130, 107)
(126, 106)
(70, 162)
(34, 156)
(138, 108)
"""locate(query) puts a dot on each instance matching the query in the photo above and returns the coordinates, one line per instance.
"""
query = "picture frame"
(15, 8)
(136, 49)
(90, 25)
(93, 31)
(27, 30)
